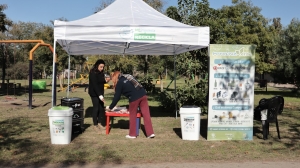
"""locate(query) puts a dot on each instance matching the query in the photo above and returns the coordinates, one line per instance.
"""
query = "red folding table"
(120, 114)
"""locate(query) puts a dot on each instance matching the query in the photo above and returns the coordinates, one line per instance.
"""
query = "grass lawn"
(25, 137)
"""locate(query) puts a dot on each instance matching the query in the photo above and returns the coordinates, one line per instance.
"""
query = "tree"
(42, 56)
(244, 24)
(172, 12)
(4, 22)
(156, 4)
(103, 4)
(288, 54)
(193, 65)
(195, 13)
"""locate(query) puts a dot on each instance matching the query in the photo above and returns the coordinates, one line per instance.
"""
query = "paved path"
(255, 164)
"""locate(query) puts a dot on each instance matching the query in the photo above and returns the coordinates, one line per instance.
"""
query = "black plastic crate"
(74, 102)
(77, 126)
(78, 114)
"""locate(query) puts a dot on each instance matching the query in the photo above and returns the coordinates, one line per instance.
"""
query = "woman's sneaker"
(101, 126)
(130, 137)
(96, 128)
(151, 136)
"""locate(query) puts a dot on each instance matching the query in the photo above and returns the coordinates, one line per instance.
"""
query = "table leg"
(107, 125)
(138, 122)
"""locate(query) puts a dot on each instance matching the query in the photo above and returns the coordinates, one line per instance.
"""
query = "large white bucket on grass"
(60, 121)
(190, 122)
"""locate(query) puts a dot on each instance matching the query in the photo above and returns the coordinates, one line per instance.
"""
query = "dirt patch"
(8, 102)
(278, 85)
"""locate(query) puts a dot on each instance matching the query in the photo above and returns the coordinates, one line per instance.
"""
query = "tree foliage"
(4, 21)
(156, 4)
(288, 54)
(4, 50)
(244, 24)
(193, 65)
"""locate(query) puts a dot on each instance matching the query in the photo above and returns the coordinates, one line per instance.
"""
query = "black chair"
(274, 106)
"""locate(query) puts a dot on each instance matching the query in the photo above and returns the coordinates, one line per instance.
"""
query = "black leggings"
(98, 111)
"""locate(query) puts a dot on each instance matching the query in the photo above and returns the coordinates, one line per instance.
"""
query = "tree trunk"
(146, 65)
(196, 77)
(3, 65)
(161, 83)
(166, 74)
(61, 79)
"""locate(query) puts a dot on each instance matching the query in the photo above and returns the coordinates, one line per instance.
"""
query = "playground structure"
(39, 43)
(82, 81)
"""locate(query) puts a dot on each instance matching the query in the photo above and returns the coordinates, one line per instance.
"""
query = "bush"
(190, 94)
(146, 82)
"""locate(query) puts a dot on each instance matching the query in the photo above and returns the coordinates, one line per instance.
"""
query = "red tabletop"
(120, 114)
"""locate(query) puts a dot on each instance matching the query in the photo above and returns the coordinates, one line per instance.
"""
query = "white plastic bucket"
(190, 122)
(60, 122)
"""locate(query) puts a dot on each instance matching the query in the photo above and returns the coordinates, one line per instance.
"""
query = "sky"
(43, 11)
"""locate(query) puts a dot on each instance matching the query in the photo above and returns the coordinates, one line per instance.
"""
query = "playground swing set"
(15, 85)
(39, 43)
(9, 85)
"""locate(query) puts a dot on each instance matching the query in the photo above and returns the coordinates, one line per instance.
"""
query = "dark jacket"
(126, 88)
(96, 84)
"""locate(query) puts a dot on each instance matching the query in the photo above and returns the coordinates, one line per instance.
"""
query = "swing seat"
(9, 98)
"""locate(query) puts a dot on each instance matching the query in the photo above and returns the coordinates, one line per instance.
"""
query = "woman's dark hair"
(95, 66)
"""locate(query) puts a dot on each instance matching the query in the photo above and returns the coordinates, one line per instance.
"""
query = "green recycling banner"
(231, 92)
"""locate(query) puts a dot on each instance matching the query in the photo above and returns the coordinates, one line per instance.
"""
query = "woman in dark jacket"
(128, 86)
(96, 92)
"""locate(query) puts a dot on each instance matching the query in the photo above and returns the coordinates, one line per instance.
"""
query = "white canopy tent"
(129, 27)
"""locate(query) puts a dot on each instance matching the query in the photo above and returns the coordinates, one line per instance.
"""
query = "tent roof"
(129, 27)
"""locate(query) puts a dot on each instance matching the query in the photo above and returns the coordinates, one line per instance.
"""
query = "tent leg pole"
(175, 85)
(69, 71)
(54, 75)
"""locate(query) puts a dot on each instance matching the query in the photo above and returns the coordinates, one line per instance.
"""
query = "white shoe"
(101, 126)
(151, 136)
(130, 137)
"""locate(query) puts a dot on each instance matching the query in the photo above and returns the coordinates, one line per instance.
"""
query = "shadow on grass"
(155, 111)
(177, 131)
(79, 131)
(20, 148)
(124, 124)
(292, 115)
(121, 124)
(20, 91)
(257, 131)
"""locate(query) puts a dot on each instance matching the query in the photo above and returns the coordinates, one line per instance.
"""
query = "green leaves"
(287, 53)
(191, 93)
